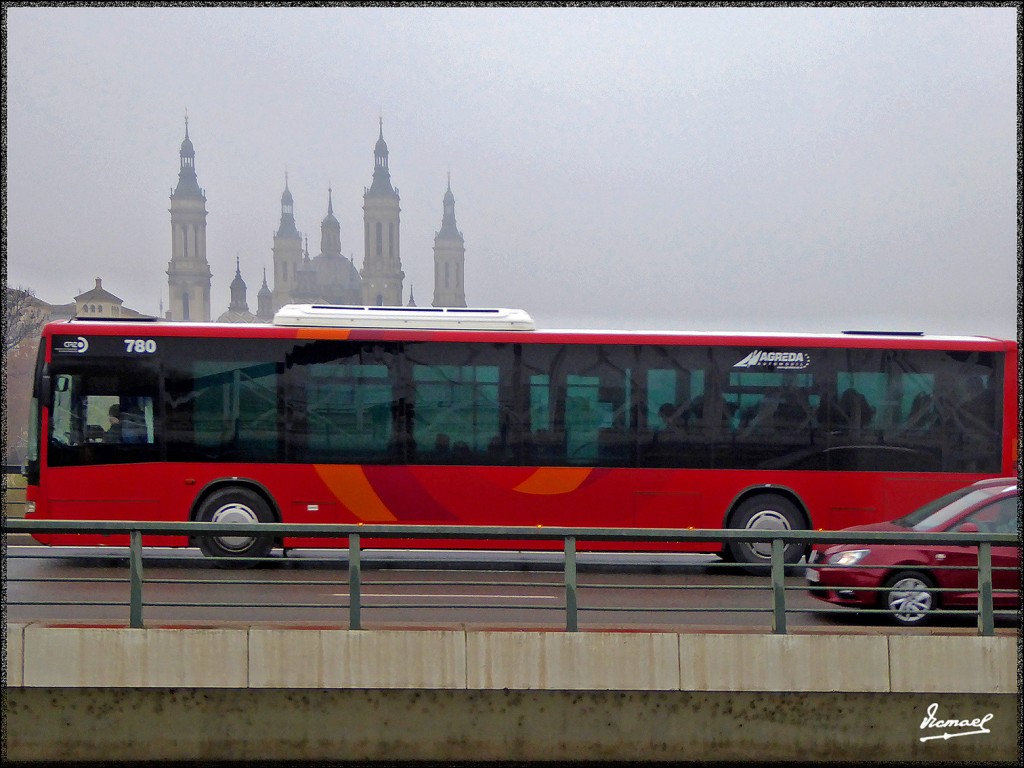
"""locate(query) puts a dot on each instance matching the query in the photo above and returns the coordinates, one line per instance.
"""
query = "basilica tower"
(449, 258)
(287, 252)
(382, 264)
(188, 273)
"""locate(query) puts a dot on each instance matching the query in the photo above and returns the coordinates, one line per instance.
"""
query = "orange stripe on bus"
(338, 334)
(551, 481)
(351, 487)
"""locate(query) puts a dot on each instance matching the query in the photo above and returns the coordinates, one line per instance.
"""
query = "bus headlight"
(852, 557)
(30, 508)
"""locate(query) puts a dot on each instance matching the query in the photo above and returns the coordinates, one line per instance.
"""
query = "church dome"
(337, 280)
(235, 316)
(265, 290)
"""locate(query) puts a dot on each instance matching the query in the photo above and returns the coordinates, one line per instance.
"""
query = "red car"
(903, 578)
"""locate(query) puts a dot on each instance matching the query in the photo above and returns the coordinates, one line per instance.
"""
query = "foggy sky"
(691, 168)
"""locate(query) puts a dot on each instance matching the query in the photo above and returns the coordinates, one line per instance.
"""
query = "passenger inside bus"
(850, 411)
(133, 425)
(695, 411)
(673, 421)
(976, 406)
(923, 413)
(113, 433)
(442, 447)
(782, 408)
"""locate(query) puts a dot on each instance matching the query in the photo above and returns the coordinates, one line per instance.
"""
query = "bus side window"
(66, 426)
(79, 418)
(103, 418)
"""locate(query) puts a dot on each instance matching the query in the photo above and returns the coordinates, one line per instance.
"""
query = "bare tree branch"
(23, 316)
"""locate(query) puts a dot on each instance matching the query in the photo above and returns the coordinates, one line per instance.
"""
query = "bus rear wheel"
(235, 505)
(764, 512)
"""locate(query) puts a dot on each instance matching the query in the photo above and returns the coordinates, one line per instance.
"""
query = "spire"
(380, 149)
(187, 150)
(287, 226)
(449, 198)
(381, 185)
(265, 300)
(412, 299)
(448, 225)
(286, 196)
(188, 185)
(238, 290)
(330, 230)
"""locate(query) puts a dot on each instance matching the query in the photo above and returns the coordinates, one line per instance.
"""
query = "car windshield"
(911, 519)
(951, 505)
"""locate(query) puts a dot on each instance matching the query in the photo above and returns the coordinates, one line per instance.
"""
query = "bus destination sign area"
(103, 346)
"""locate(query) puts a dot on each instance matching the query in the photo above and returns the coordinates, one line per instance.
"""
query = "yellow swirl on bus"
(351, 487)
(551, 481)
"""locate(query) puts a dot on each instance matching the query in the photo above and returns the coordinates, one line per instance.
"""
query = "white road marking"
(365, 595)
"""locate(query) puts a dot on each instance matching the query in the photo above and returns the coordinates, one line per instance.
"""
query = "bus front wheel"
(235, 505)
(764, 512)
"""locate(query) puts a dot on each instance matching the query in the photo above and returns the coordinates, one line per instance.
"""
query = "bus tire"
(768, 512)
(235, 505)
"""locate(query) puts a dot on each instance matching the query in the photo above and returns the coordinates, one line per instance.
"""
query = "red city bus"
(473, 417)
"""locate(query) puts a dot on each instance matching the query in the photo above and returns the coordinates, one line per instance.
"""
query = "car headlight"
(851, 557)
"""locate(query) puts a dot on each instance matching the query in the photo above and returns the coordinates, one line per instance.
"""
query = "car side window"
(997, 517)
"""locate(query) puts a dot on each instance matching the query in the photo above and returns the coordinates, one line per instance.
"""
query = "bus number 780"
(140, 346)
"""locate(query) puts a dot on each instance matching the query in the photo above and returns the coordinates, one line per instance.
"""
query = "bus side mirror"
(45, 390)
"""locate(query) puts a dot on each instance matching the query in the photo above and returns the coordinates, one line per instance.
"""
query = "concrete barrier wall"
(390, 726)
(250, 694)
(105, 657)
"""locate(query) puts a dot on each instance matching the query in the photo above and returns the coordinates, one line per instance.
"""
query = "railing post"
(778, 587)
(135, 580)
(571, 618)
(986, 618)
(354, 582)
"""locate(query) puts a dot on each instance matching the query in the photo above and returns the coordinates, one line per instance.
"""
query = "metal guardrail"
(569, 537)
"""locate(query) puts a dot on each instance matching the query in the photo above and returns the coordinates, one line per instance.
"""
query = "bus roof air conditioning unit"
(432, 318)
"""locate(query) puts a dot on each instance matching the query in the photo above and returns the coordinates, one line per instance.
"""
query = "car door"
(960, 581)
(1006, 559)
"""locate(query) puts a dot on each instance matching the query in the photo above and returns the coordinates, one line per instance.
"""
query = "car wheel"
(910, 598)
(765, 512)
(235, 505)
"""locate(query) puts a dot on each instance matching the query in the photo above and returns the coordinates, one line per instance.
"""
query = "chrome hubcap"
(910, 599)
(234, 513)
(766, 520)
